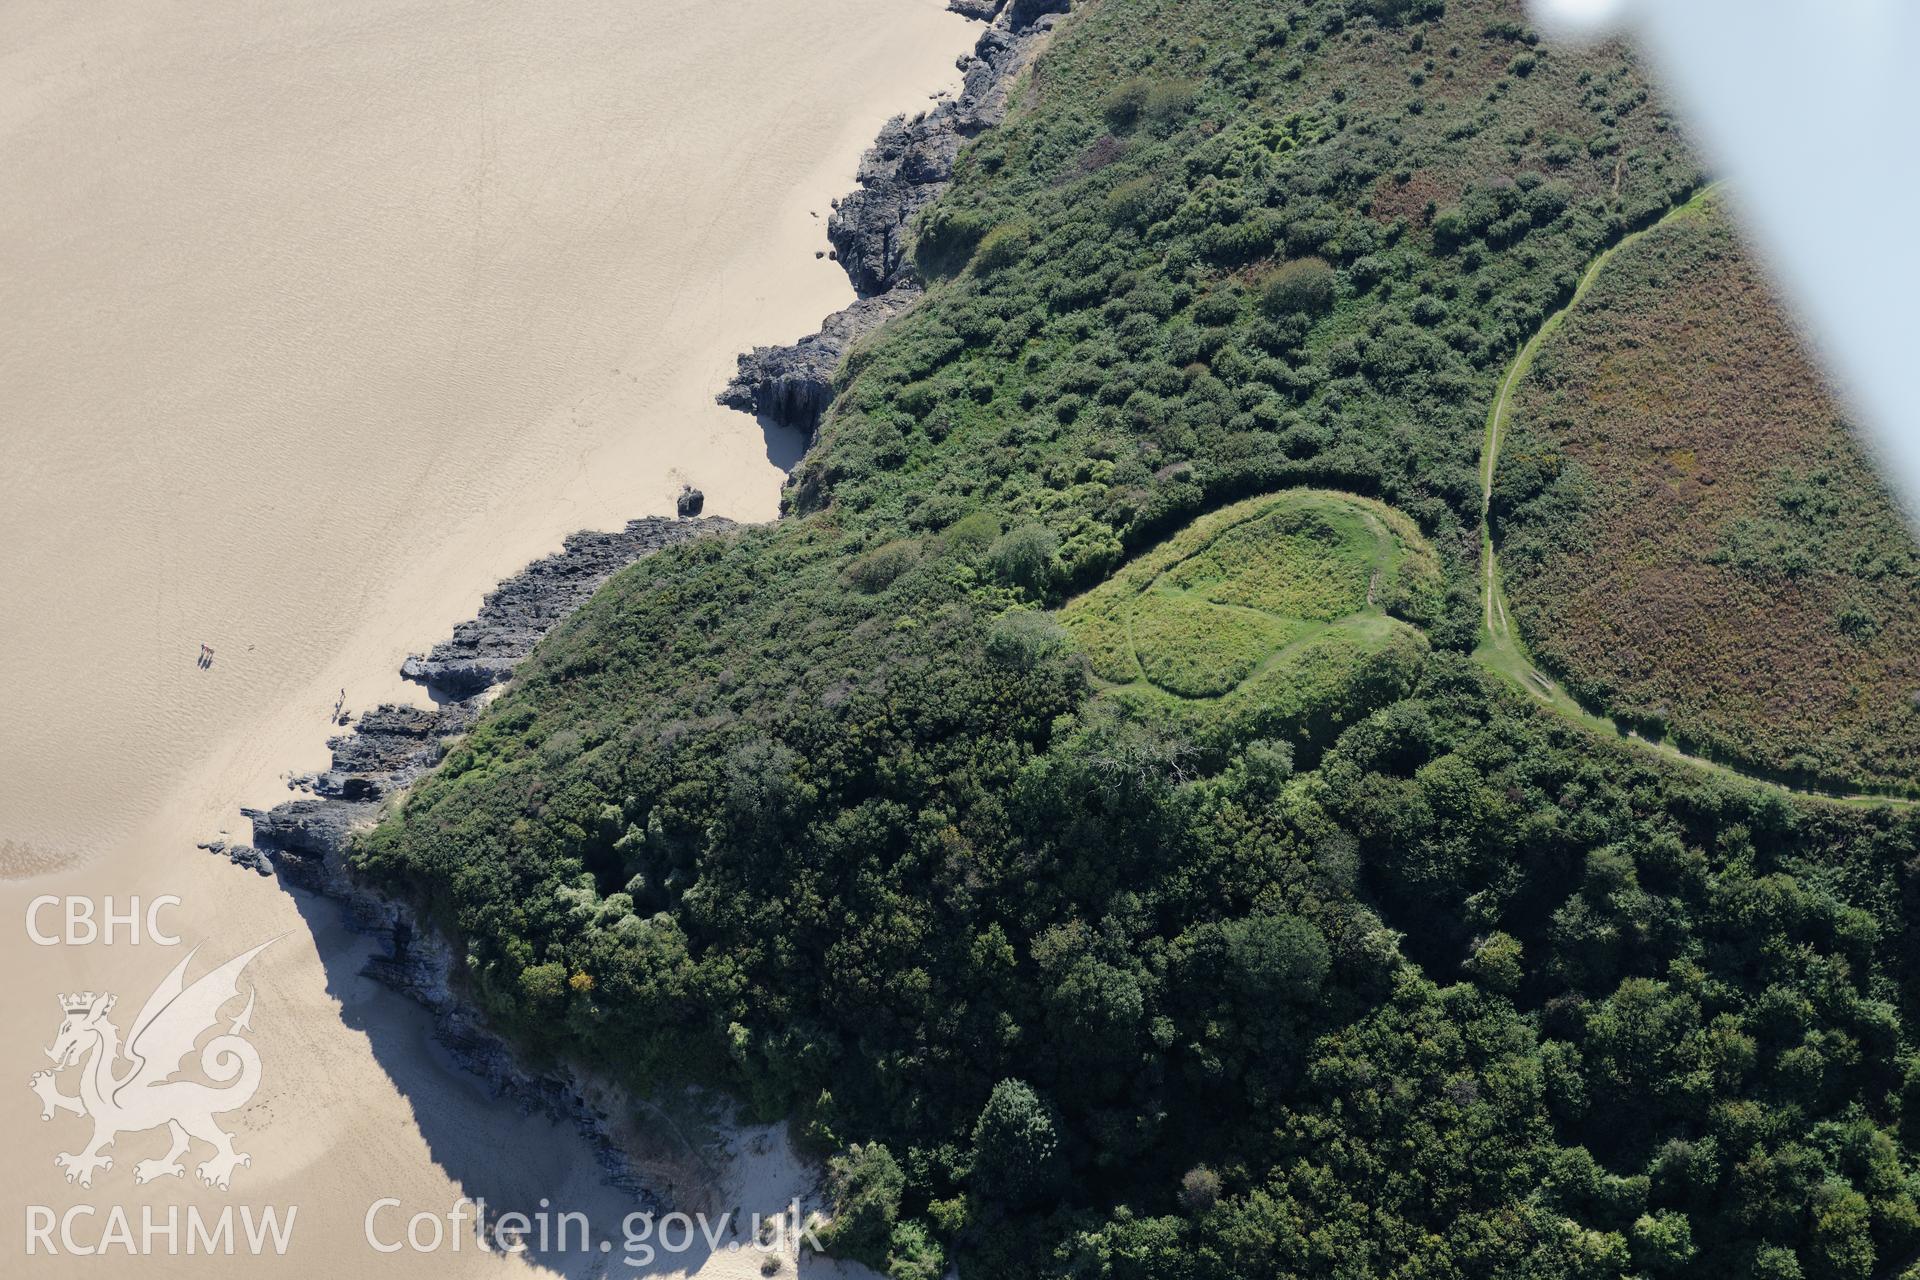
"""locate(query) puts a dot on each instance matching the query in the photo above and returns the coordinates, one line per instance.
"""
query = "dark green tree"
(1016, 1147)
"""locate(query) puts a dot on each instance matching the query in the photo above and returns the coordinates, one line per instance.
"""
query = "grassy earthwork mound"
(1262, 615)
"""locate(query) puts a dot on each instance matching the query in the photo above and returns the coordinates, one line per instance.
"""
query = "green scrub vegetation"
(1082, 815)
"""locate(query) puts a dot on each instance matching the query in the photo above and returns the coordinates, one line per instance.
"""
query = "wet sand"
(320, 320)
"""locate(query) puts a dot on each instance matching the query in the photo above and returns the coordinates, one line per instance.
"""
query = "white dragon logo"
(143, 1096)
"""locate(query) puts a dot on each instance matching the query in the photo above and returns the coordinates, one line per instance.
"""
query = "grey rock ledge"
(906, 168)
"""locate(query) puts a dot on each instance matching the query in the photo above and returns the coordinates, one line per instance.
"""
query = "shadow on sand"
(496, 1148)
(785, 445)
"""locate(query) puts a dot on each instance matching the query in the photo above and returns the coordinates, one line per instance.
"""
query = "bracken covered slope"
(1691, 535)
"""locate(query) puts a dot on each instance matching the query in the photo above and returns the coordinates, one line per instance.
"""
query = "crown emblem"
(80, 1003)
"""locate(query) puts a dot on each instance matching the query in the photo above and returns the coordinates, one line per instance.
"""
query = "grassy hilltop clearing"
(1083, 814)
(1271, 618)
(1690, 534)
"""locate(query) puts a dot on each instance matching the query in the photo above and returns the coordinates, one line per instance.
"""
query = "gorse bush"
(946, 240)
(1027, 558)
(1139, 202)
(1002, 247)
(1148, 103)
(877, 569)
(1025, 638)
(1303, 286)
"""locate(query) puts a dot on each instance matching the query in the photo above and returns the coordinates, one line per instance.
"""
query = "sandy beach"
(321, 319)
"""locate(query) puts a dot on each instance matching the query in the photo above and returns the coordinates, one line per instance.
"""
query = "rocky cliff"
(484, 649)
(907, 166)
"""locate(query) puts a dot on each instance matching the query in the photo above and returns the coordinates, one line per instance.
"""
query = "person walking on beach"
(206, 657)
